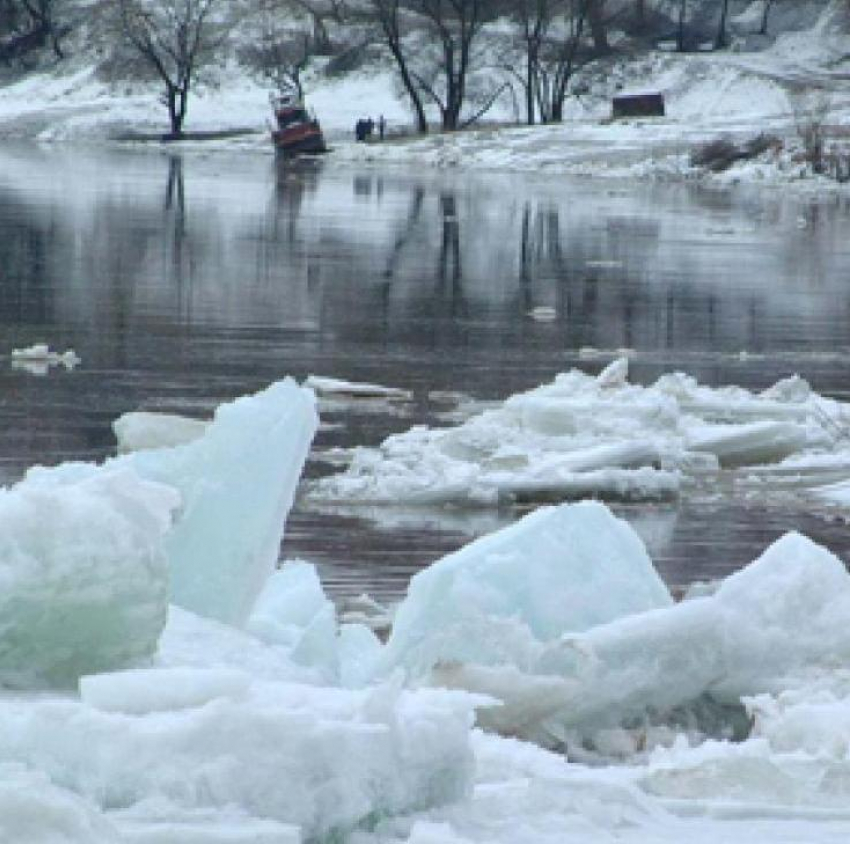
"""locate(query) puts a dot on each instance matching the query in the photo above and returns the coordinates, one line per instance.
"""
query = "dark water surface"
(182, 282)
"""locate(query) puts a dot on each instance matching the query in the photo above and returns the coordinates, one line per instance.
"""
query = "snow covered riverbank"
(737, 95)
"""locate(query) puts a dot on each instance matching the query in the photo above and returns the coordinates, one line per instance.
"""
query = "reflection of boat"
(298, 132)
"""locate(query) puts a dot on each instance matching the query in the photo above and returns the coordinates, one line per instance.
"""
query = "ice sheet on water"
(89, 593)
(558, 570)
(583, 435)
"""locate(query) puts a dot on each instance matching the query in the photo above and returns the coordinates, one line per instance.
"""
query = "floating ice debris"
(604, 264)
(139, 430)
(583, 436)
(616, 374)
(543, 313)
(84, 573)
(337, 388)
(38, 358)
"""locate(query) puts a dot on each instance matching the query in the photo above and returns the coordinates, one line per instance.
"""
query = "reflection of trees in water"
(26, 259)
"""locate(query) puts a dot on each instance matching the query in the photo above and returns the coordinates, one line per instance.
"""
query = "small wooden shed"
(638, 105)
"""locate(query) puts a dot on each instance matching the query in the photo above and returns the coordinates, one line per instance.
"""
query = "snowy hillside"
(760, 84)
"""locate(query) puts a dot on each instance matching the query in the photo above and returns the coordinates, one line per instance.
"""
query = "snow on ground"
(733, 93)
(723, 717)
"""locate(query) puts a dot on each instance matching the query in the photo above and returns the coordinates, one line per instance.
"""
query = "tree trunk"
(529, 88)
(721, 39)
(764, 16)
(598, 28)
(175, 100)
(680, 31)
(410, 87)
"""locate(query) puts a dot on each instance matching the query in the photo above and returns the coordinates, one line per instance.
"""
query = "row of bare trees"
(453, 58)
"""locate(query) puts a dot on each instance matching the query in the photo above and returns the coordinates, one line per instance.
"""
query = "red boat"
(298, 132)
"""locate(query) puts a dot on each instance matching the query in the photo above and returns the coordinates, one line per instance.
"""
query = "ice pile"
(282, 725)
(562, 619)
(198, 732)
(585, 436)
(316, 760)
(91, 555)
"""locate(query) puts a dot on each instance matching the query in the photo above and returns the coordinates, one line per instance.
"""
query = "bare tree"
(394, 24)
(447, 60)
(28, 25)
(765, 14)
(279, 51)
(534, 19)
(560, 58)
(721, 40)
(320, 13)
(176, 38)
(598, 25)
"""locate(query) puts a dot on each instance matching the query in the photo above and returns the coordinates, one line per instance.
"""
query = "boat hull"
(303, 139)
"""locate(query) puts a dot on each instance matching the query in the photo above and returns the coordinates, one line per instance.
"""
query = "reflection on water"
(185, 281)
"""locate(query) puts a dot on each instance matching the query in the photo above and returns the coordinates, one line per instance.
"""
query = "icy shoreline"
(738, 95)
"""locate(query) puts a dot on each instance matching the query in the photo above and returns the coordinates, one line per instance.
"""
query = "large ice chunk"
(558, 570)
(237, 482)
(785, 612)
(84, 574)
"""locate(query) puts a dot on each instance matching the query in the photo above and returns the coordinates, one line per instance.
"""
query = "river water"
(185, 281)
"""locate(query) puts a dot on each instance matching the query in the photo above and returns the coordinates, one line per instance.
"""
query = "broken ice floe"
(38, 358)
(508, 617)
(583, 436)
(338, 388)
(139, 430)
